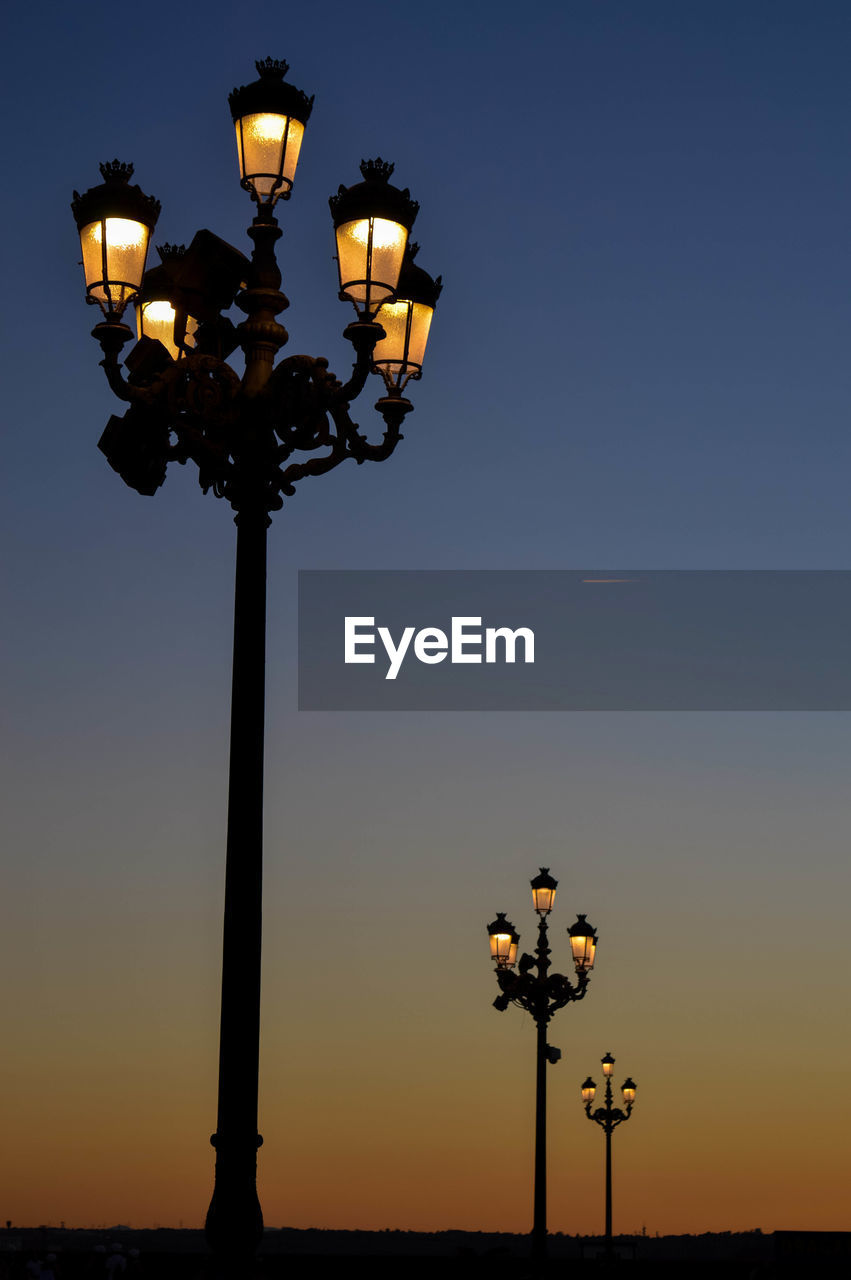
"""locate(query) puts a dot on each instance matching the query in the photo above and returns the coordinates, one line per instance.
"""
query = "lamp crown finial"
(378, 170)
(274, 68)
(116, 171)
(168, 251)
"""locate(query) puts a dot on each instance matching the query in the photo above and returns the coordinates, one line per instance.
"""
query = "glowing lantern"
(628, 1089)
(503, 940)
(158, 311)
(406, 322)
(588, 1090)
(371, 220)
(543, 892)
(608, 1065)
(269, 116)
(115, 222)
(583, 944)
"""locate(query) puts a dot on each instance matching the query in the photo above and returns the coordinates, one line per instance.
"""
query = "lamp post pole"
(248, 436)
(541, 994)
(234, 1225)
(539, 1214)
(608, 1117)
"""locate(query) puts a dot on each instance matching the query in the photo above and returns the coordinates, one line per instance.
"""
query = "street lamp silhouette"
(541, 994)
(608, 1117)
(252, 437)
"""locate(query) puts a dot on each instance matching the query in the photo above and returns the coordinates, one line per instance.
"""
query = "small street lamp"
(608, 1117)
(253, 436)
(541, 994)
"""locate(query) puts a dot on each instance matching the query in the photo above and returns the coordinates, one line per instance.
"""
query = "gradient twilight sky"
(641, 213)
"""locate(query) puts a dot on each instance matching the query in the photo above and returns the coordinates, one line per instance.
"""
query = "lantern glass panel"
(583, 948)
(370, 251)
(588, 1092)
(629, 1093)
(608, 1065)
(156, 319)
(269, 147)
(543, 900)
(407, 326)
(116, 273)
(501, 946)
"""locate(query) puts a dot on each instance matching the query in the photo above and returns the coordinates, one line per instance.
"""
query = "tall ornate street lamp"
(541, 994)
(252, 437)
(608, 1117)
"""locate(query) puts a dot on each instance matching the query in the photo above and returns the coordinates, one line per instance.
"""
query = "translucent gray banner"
(575, 640)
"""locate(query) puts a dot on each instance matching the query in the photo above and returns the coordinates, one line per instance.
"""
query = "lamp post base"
(234, 1225)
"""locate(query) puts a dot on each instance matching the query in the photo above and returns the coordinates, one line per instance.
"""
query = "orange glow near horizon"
(422, 1124)
(392, 1093)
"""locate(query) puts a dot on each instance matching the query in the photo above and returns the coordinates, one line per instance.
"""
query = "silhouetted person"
(116, 1263)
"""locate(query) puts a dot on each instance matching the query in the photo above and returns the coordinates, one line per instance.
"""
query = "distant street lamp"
(253, 437)
(608, 1117)
(541, 994)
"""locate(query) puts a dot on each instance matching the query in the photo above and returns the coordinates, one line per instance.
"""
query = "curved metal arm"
(363, 451)
(542, 997)
(112, 338)
(607, 1119)
(289, 476)
(562, 991)
(363, 335)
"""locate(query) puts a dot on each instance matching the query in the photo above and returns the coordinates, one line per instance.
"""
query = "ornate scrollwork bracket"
(198, 408)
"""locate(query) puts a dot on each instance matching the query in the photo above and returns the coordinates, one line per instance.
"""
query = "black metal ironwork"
(243, 433)
(270, 93)
(374, 197)
(541, 994)
(608, 1117)
(253, 438)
